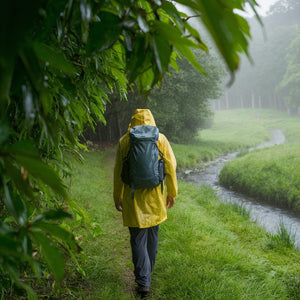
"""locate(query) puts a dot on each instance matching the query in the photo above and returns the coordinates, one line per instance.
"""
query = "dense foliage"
(181, 106)
(59, 61)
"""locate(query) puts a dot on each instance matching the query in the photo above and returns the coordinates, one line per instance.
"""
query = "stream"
(264, 215)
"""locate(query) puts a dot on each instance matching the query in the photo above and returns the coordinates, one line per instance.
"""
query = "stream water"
(265, 215)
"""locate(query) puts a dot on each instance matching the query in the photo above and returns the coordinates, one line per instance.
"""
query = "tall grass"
(197, 154)
(283, 238)
(271, 174)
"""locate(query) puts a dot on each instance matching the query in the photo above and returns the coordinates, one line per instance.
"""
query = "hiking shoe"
(143, 291)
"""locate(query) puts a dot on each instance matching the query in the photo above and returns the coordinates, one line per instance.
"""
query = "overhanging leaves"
(27, 156)
(52, 255)
(15, 206)
(104, 33)
(162, 52)
(53, 214)
(53, 58)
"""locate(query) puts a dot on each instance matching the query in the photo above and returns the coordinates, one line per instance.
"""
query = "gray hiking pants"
(144, 243)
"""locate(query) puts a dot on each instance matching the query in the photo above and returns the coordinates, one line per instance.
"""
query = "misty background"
(273, 79)
(184, 103)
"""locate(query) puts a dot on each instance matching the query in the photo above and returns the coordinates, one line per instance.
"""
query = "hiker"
(144, 209)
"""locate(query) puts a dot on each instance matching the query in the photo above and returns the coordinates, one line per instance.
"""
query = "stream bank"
(265, 215)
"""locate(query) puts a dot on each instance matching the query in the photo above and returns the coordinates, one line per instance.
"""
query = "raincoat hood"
(141, 117)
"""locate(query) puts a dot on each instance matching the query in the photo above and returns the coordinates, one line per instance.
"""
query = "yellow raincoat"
(148, 208)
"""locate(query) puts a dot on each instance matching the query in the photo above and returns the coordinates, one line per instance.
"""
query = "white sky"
(264, 6)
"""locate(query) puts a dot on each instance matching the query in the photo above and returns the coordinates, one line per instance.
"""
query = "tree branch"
(189, 17)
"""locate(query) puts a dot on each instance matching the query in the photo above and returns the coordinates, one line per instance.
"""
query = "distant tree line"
(273, 80)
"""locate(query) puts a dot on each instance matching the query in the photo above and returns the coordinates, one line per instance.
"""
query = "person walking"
(145, 208)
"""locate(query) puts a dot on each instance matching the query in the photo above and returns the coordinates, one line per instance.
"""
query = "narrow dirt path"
(127, 275)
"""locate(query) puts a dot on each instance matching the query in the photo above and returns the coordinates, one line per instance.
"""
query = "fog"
(269, 78)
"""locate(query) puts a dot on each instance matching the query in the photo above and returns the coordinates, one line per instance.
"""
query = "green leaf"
(6, 73)
(4, 132)
(12, 269)
(174, 36)
(4, 228)
(253, 4)
(52, 255)
(54, 58)
(173, 62)
(43, 172)
(225, 29)
(26, 244)
(127, 40)
(8, 247)
(172, 11)
(195, 34)
(244, 25)
(21, 184)
(136, 58)
(162, 52)
(186, 52)
(145, 80)
(56, 231)
(103, 34)
(78, 209)
(30, 292)
(143, 24)
(15, 206)
(16, 20)
(27, 156)
(53, 214)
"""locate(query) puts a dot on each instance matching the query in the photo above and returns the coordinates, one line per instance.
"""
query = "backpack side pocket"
(125, 174)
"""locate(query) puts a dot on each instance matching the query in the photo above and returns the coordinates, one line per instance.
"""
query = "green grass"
(271, 174)
(249, 127)
(244, 128)
(207, 249)
(235, 130)
(199, 153)
(106, 254)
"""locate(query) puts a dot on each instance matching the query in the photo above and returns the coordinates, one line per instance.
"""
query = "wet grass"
(251, 127)
(207, 249)
(198, 153)
(284, 238)
(271, 175)
(106, 254)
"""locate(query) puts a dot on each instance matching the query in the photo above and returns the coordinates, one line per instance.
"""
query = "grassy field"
(250, 127)
(207, 249)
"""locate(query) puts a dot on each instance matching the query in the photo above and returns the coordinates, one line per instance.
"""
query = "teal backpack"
(144, 166)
